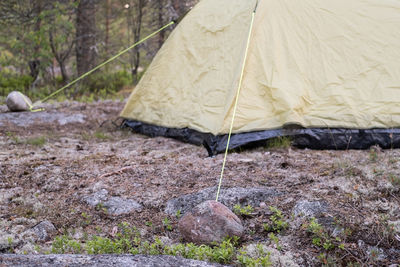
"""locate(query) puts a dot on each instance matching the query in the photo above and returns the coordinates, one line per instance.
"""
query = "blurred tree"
(61, 33)
(86, 47)
(38, 36)
(135, 11)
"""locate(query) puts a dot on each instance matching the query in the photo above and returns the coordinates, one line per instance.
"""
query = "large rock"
(209, 222)
(44, 118)
(16, 101)
(228, 196)
(98, 261)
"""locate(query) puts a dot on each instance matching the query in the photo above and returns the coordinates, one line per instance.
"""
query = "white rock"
(16, 101)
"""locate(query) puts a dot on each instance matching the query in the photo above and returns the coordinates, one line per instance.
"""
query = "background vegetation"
(46, 43)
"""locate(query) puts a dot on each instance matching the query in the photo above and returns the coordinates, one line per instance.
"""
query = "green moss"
(36, 141)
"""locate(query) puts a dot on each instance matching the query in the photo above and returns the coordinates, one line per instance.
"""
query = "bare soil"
(50, 160)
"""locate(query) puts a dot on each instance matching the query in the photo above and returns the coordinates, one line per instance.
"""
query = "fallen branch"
(120, 171)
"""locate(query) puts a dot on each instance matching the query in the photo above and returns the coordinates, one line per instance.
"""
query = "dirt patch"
(51, 161)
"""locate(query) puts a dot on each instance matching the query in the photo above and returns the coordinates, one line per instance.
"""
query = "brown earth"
(50, 160)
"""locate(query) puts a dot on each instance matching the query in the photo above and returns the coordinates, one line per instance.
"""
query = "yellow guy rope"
(236, 101)
(104, 63)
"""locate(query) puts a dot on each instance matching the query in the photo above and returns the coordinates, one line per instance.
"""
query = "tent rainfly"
(326, 73)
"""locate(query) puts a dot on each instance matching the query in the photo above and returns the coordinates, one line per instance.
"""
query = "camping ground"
(72, 181)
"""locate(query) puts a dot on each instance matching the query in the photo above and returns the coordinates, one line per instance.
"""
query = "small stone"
(119, 206)
(96, 198)
(305, 208)
(210, 222)
(44, 230)
(16, 101)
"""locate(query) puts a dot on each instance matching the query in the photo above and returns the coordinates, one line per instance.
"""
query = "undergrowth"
(129, 240)
(98, 86)
(279, 142)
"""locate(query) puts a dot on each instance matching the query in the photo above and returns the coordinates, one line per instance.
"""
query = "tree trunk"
(108, 7)
(85, 36)
(34, 64)
(135, 25)
(160, 23)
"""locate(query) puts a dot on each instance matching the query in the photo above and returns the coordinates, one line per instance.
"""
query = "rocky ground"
(70, 170)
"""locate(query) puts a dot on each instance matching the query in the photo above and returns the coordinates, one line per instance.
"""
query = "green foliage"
(167, 224)
(261, 259)
(129, 240)
(373, 155)
(36, 141)
(12, 82)
(65, 244)
(178, 214)
(277, 223)
(394, 180)
(323, 241)
(13, 137)
(243, 211)
(279, 142)
(102, 84)
(101, 135)
(275, 239)
(87, 219)
(385, 231)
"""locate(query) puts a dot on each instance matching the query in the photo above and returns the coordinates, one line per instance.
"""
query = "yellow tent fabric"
(313, 63)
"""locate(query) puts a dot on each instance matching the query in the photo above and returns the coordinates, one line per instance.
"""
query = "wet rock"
(228, 196)
(99, 261)
(119, 206)
(305, 208)
(44, 230)
(16, 101)
(209, 222)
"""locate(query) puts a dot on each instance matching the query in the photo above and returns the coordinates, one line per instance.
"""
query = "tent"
(326, 73)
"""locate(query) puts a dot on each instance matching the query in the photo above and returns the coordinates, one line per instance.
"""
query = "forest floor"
(51, 161)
